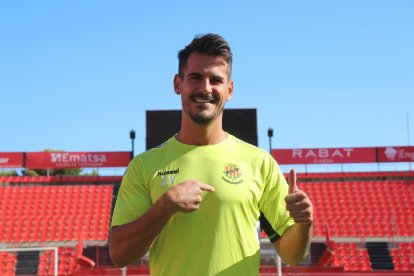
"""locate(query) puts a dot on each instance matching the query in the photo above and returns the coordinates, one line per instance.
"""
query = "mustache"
(203, 96)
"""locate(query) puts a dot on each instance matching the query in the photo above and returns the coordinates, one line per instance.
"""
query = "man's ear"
(177, 84)
(230, 91)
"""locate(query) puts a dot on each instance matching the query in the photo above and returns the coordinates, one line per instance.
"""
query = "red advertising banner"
(11, 159)
(396, 154)
(325, 155)
(63, 160)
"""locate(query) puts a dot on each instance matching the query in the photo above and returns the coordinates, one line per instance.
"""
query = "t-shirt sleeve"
(274, 218)
(133, 198)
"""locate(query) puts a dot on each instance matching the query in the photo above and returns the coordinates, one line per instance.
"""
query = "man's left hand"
(297, 202)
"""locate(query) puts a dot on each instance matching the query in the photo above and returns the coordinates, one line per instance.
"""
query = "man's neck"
(199, 135)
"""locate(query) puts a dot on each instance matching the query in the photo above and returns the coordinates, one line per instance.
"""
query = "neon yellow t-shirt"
(221, 237)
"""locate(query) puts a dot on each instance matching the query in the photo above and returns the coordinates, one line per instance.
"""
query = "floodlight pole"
(278, 259)
(408, 136)
(270, 135)
(132, 137)
(408, 129)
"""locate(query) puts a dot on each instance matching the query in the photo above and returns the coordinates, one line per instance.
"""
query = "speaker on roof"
(162, 124)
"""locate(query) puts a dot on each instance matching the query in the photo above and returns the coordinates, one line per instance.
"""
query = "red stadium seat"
(383, 204)
(47, 213)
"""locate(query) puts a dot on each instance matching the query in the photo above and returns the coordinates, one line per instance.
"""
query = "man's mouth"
(203, 99)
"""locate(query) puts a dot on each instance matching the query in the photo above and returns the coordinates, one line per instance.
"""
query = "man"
(194, 201)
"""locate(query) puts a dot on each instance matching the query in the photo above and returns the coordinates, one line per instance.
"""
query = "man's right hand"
(132, 240)
(186, 196)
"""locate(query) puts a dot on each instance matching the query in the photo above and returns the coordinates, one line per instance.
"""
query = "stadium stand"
(403, 257)
(371, 210)
(7, 263)
(352, 258)
(34, 215)
(368, 214)
(57, 214)
(59, 179)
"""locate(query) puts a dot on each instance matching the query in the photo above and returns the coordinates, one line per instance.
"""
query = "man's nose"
(205, 86)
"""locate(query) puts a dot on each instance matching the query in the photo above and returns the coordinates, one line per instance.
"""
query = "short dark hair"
(209, 44)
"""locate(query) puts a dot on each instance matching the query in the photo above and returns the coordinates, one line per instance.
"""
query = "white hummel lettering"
(167, 180)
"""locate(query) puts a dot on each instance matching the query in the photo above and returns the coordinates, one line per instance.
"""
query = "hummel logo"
(168, 177)
(176, 171)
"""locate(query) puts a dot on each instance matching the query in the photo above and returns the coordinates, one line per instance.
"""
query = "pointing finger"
(206, 187)
(292, 181)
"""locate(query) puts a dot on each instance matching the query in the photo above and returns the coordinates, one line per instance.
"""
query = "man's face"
(204, 87)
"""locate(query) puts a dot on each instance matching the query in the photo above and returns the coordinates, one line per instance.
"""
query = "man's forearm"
(292, 246)
(131, 241)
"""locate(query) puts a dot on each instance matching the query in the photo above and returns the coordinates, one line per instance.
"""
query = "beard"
(204, 117)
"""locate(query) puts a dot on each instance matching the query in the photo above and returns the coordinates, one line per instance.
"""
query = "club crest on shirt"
(232, 174)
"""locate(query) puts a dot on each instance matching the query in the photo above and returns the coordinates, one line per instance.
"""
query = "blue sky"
(79, 75)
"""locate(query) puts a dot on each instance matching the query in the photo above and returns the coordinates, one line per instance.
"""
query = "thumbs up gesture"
(297, 202)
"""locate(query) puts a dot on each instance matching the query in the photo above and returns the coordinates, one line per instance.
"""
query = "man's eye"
(194, 77)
